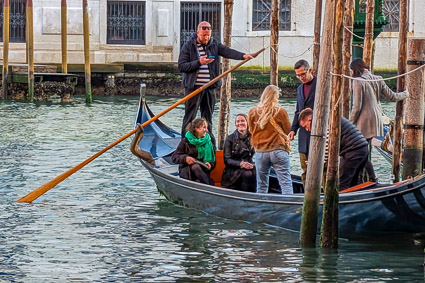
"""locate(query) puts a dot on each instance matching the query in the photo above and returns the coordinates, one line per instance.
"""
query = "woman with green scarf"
(196, 153)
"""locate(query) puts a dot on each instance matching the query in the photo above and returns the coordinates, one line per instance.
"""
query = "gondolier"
(199, 61)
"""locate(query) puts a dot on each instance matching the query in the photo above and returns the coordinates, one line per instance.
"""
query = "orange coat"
(268, 139)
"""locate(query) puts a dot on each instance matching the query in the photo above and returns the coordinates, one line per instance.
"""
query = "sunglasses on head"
(206, 28)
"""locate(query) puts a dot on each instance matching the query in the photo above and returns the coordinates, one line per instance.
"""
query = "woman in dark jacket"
(239, 173)
(196, 153)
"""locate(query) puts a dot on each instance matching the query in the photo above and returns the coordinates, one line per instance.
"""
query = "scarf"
(203, 145)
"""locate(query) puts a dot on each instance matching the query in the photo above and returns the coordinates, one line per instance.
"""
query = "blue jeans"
(279, 159)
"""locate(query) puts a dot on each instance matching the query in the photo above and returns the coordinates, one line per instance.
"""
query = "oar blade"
(51, 184)
(44, 188)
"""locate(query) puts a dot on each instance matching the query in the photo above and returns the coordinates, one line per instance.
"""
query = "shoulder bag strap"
(279, 130)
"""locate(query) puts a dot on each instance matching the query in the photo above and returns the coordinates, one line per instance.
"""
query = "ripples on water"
(107, 222)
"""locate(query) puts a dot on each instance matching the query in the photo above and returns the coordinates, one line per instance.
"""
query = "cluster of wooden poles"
(30, 47)
(333, 95)
(334, 60)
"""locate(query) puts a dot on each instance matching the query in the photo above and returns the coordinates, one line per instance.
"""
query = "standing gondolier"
(199, 62)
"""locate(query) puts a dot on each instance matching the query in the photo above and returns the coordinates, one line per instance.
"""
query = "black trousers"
(350, 166)
(368, 166)
(204, 100)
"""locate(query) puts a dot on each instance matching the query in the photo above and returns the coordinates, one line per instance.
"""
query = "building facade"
(154, 30)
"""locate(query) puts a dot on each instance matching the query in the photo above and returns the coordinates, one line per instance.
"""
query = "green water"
(107, 222)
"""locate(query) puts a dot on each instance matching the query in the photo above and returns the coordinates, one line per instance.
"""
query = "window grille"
(391, 9)
(17, 20)
(126, 22)
(192, 13)
(261, 10)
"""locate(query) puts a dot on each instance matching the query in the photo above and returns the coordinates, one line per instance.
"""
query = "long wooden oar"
(49, 185)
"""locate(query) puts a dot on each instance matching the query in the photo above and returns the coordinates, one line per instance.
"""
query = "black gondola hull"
(391, 209)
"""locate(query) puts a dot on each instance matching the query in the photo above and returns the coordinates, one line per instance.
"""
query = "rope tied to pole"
(378, 80)
(350, 31)
(285, 56)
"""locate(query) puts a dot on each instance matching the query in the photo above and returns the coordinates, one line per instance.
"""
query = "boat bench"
(217, 172)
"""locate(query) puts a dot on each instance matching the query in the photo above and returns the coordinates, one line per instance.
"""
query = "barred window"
(192, 13)
(261, 10)
(391, 9)
(126, 22)
(17, 21)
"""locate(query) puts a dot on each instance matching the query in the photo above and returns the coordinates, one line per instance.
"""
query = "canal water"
(107, 222)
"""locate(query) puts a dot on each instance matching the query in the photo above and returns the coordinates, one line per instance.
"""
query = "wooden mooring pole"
(346, 59)
(87, 70)
(274, 43)
(318, 134)
(226, 87)
(401, 86)
(329, 228)
(414, 124)
(317, 28)
(64, 37)
(5, 71)
(30, 44)
(368, 36)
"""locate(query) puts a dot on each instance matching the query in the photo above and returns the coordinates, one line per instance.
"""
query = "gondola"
(369, 209)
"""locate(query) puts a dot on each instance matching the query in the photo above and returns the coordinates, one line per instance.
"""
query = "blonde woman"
(269, 125)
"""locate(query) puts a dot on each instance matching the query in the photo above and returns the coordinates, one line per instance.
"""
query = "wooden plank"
(22, 77)
(358, 187)
(97, 68)
(74, 68)
(37, 68)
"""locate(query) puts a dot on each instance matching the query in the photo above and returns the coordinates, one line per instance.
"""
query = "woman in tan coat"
(366, 113)
(269, 125)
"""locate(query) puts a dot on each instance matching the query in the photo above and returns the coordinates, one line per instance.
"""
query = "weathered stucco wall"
(163, 34)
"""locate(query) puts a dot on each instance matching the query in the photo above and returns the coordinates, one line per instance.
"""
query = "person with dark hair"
(352, 149)
(239, 173)
(199, 61)
(269, 125)
(196, 153)
(366, 113)
(305, 98)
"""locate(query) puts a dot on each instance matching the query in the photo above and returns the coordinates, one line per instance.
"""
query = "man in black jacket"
(199, 62)
(353, 149)
(305, 99)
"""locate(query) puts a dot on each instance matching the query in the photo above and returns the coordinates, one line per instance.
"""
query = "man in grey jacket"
(199, 62)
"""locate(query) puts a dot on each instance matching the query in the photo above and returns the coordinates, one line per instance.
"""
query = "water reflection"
(107, 222)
